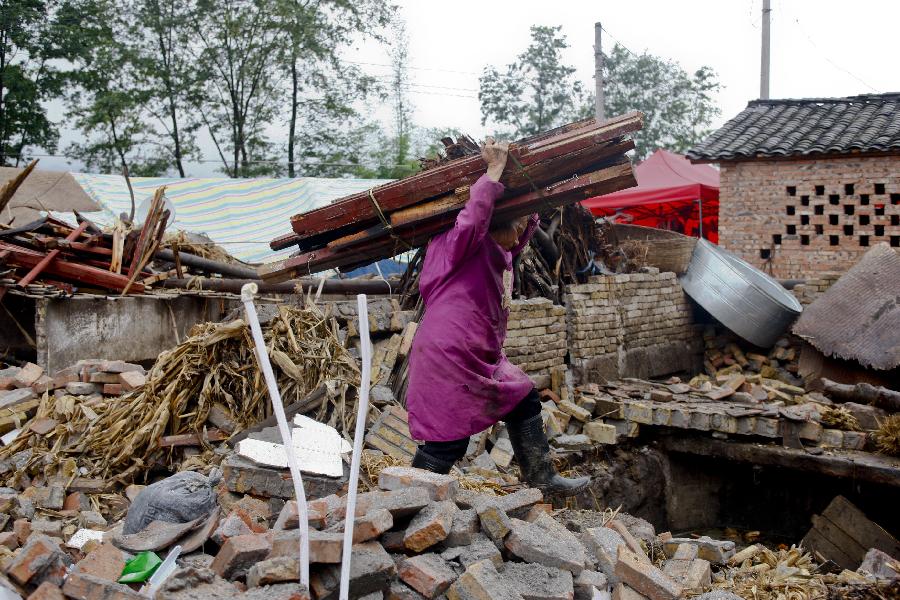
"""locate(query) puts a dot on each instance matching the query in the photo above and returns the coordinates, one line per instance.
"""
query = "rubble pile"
(418, 535)
(727, 353)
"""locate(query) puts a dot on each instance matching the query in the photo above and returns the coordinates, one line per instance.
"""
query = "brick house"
(808, 185)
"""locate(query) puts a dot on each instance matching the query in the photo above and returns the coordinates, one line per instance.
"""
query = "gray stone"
(481, 548)
(537, 582)
(480, 581)
(465, 526)
(533, 544)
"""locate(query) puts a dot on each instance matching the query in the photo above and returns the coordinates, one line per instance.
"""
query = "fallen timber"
(560, 167)
(330, 286)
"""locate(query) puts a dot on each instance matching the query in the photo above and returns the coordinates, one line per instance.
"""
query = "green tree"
(678, 107)
(237, 42)
(105, 104)
(32, 36)
(158, 40)
(536, 92)
(323, 90)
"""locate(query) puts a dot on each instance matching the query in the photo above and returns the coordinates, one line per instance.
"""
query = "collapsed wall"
(630, 325)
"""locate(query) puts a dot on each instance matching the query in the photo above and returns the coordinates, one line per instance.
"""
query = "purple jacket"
(460, 382)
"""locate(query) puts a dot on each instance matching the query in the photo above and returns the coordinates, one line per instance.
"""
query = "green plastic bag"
(140, 568)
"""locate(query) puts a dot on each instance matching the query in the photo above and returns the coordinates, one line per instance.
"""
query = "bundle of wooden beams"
(52, 252)
(553, 169)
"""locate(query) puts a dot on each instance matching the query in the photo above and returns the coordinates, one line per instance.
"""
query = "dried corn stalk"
(117, 438)
(788, 574)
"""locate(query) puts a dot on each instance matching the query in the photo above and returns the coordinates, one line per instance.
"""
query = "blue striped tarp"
(241, 215)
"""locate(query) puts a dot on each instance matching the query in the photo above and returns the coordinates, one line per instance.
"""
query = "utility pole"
(764, 54)
(599, 112)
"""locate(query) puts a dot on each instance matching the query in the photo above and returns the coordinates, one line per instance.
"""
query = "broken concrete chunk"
(692, 574)
(518, 503)
(239, 553)
(494, 522)
(532, 543)
(480, 549)
(502, 452)
(40, 560)
(465, 525)
(274, 570)
(439, 487)
(537, 582)
(604, 544)
(481, 581)
(589, 583)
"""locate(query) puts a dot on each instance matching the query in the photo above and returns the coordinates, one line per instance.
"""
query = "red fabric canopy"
(666, 197)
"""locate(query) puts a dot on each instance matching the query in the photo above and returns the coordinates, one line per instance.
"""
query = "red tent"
(671, 193)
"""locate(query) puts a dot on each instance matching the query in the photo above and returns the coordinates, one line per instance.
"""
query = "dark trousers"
(452, 451)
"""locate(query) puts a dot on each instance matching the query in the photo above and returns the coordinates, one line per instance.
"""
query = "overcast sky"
(820, 48)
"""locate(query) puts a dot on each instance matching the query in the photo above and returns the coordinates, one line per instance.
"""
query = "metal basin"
(740, 296)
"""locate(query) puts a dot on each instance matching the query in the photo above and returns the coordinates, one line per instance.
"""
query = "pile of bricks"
(726, 355)
(628, 317)
(22, 387)
(813, 287)
(536, 338)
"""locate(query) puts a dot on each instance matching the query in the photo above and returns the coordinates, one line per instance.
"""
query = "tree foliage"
(678, 106)
(33, 35)
(536, 92)
(539, 91)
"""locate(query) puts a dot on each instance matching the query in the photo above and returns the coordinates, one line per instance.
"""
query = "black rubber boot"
(423, 460)
(532, 452)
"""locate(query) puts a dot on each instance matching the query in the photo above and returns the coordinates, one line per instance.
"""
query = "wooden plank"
(816, 543)
(840, 538)
(49, 258)
(191, 439)
(848, 517)
(82, 273)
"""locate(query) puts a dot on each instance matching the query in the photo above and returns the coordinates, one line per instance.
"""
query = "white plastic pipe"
(166, 568)
(262, 355)
(361, 413)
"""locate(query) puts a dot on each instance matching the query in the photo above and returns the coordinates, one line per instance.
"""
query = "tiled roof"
(813, 126)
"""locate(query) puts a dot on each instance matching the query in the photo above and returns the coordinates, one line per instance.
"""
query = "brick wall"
(536, 338)
(632, 325)
(814, 287)
(801, 218)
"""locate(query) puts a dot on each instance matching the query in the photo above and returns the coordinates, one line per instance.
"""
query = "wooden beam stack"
(559, 167)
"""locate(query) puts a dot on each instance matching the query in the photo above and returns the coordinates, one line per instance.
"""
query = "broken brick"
(439, 487)
(428, 574)
(22, 529)
(604, 544)
(371, 568)
(132, 380)
(274, 570)
(494, 522)
(371, 525)
(400, 503)
(81, 586)
(324, 546)
(430, 526)
(40, 560)
(401, 591)
(692, 574)
(289, 518)
(113, 389)
(715, 551)
(518, 503)
(623, 592)
(27, 375)
(588, 583)
(239, 553)
(480, 549)
(77, 501)
(47, 591)
(105, 562)
(575, 411)
(537, 510)
(630, 542)
(481, 581)
(645, 578)
(9, 539)
(502, 452)
(600, 433)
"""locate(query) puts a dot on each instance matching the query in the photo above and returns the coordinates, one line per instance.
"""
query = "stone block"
(27, 375)
(531, 543)
(537, 582)
(132, 380)
(518, 503)
(574, 411)
(430, 526)
(400, 503)
(692, 574)
(572, 443)
(242, 476)
(428, 574)
(368, 526)
(439, 487)
(289, 518)
(502, 452)
(371, 570)
(481, 581)
(646, 578)
(239, 553)
(81, 586)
